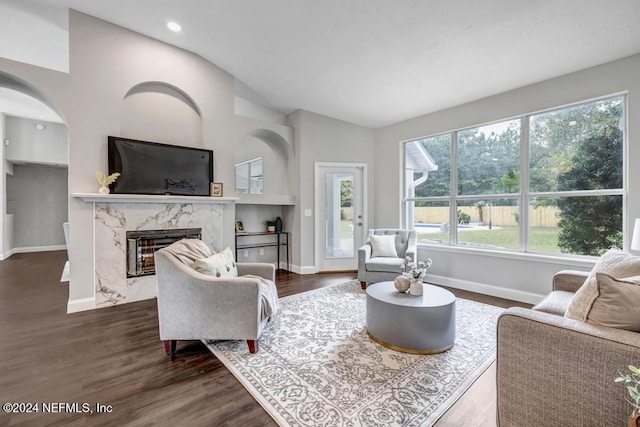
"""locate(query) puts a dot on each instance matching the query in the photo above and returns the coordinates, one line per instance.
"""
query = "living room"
(96, 97)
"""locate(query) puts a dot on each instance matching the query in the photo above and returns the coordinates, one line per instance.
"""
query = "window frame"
(249, 176)
(524, 195)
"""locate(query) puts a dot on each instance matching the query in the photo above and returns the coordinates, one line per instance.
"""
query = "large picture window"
(548, 183)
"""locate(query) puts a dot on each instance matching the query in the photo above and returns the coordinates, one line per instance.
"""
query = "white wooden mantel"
(149, 198)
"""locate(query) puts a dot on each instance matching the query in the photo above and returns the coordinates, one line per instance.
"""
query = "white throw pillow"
(383, 245)
(616, 264)
(218, 265)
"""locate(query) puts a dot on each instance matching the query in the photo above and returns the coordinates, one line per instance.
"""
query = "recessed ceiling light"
(573, 123)
(174, 26)
(40, 126)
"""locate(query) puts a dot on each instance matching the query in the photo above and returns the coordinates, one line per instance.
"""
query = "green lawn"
(541, 239)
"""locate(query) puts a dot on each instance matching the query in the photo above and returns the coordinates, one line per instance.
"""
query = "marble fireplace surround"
(115, 214)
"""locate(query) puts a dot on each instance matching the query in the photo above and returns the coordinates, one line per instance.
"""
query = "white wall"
(5, 239)
(159, 110)
(323, 139)
(40, 34)
(247, 108)
(29, 145)
(31, 203)
(37, 199)
(521, 277)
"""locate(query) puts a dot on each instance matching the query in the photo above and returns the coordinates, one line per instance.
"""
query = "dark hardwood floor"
(113, 356)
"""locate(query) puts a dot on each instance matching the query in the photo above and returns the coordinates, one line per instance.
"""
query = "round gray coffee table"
(413, 324)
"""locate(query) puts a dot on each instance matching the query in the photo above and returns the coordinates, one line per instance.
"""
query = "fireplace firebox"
(141, 246)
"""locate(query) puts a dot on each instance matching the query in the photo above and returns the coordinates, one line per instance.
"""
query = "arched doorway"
(33, 170)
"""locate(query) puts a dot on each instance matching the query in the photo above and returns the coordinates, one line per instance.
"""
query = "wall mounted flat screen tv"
(153, 168)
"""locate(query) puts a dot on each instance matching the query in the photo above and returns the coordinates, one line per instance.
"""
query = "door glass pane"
(339, 214)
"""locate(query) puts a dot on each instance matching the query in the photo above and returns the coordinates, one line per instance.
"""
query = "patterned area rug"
(318, 367)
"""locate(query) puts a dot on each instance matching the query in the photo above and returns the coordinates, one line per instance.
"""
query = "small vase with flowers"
(415, 272)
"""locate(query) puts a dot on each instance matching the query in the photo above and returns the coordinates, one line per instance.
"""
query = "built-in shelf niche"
(262, 199)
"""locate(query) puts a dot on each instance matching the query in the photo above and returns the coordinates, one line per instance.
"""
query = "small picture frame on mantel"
(216, 189)
(240, 227)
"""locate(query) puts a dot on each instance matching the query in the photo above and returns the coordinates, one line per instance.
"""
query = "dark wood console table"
(277, 243)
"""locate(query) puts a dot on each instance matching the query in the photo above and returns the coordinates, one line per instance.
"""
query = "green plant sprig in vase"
(271, 225)
(632, 381)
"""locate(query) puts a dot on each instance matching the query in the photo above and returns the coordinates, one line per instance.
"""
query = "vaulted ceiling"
(378, 62)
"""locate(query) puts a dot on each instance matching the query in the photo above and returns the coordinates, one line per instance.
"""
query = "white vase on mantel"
(104, 190)
(415, 288)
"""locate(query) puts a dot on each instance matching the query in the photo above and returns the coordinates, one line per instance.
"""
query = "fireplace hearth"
(141, 246)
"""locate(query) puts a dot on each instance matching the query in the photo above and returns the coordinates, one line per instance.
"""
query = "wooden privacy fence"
(346, 214)
(543, 216)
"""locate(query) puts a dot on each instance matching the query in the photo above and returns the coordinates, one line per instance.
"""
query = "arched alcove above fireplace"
(158, 111)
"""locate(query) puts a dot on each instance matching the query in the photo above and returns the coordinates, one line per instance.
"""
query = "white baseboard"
(482, 288)
(83, 304)
(29, 249)
(302, 270)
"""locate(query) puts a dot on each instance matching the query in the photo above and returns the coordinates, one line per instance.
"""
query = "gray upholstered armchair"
(194, 306)
(376, 263)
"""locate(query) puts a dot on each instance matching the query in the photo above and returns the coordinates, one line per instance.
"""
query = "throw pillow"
(383, 245)
(218, 265)
(617, 304)
(614, 263)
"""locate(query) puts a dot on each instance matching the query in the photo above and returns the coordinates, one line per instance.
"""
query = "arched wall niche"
(275, 152)
(161, 112)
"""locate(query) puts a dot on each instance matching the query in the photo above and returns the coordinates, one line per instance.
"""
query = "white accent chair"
(373, 269)
(194, 306)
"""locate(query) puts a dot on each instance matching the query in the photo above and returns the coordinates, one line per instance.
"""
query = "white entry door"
(341, 221)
